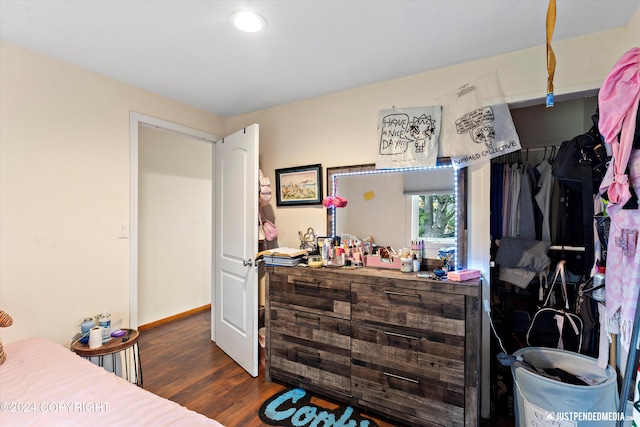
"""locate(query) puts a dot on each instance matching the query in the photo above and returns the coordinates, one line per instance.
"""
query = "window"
(433, 218)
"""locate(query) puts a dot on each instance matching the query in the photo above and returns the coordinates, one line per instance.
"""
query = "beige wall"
(64, 190)
(633, 29)
(175, 191)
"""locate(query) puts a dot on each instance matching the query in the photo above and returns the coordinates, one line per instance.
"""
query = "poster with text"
(408, 137)
(476, 123)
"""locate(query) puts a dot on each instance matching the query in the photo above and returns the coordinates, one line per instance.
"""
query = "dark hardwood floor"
(181, 363)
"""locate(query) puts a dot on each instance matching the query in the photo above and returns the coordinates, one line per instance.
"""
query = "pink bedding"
(44, 384)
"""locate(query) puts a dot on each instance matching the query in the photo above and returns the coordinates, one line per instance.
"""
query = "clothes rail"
(567, 248)
(534, 149)
(517, 155)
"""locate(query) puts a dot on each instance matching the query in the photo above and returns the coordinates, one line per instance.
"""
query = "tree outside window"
(436, 216)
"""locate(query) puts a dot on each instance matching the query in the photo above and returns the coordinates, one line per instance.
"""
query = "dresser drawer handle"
(400, 377)
(393, 334)
(308, 318)
(402, 294)
(315, 283)
(307, 357)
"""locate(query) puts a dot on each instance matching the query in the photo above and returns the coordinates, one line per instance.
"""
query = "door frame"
(135, 120)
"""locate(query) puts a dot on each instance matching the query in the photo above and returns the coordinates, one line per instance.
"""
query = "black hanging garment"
(580, 167)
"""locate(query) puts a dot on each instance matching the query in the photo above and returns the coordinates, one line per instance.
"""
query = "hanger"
(544, 157)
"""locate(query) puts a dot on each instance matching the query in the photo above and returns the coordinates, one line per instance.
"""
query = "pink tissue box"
(462, 275)
(376, 261)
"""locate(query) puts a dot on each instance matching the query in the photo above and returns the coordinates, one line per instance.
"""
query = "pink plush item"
(334, 202)
(340, 202)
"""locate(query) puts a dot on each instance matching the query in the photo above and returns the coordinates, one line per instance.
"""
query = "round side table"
(125, 344)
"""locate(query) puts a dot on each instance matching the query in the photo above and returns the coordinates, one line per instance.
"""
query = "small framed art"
(301, 185)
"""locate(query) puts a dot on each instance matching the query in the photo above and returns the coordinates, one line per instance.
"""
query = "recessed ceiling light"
(248, 21)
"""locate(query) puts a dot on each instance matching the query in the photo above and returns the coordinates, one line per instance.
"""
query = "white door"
(235, 217)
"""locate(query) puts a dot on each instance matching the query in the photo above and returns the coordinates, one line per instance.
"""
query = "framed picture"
(301, 185)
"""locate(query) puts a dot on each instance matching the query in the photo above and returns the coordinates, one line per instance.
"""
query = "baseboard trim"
(174, 317)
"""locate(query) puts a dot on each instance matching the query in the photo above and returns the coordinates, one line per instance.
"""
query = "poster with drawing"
(476, 123)
(408, 137)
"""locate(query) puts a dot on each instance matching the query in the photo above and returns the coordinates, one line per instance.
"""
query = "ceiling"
(188, 51)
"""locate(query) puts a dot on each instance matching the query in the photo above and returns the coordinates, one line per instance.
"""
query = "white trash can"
(541, 401)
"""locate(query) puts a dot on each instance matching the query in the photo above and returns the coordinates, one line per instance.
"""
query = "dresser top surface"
(383, 276)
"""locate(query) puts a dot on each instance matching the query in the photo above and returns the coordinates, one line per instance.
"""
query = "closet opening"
(528, 203)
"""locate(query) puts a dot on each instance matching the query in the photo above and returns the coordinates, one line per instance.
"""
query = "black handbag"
(556, 327)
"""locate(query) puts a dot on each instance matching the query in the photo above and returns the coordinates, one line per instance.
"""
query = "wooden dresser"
(390, 342)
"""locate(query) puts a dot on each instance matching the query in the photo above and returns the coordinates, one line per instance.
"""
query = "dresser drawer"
(438, 358)
(419, 375)
(311, 347)
(407, 395)
(320, 295)
(440, 313)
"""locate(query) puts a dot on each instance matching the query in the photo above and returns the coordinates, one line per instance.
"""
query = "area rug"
(293, 408)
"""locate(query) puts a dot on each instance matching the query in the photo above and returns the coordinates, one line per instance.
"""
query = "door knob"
(247, 262)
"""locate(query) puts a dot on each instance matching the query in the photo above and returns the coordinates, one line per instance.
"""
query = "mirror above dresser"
(398, 206)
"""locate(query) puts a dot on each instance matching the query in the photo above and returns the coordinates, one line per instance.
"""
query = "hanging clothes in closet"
(521, 198)
(532, 204)
(543, 197)
(520, 204)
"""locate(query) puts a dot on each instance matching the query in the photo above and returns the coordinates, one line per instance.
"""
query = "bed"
(44, 384)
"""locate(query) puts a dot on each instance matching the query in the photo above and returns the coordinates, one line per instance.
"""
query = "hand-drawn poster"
(476, 123)
(408, 137)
